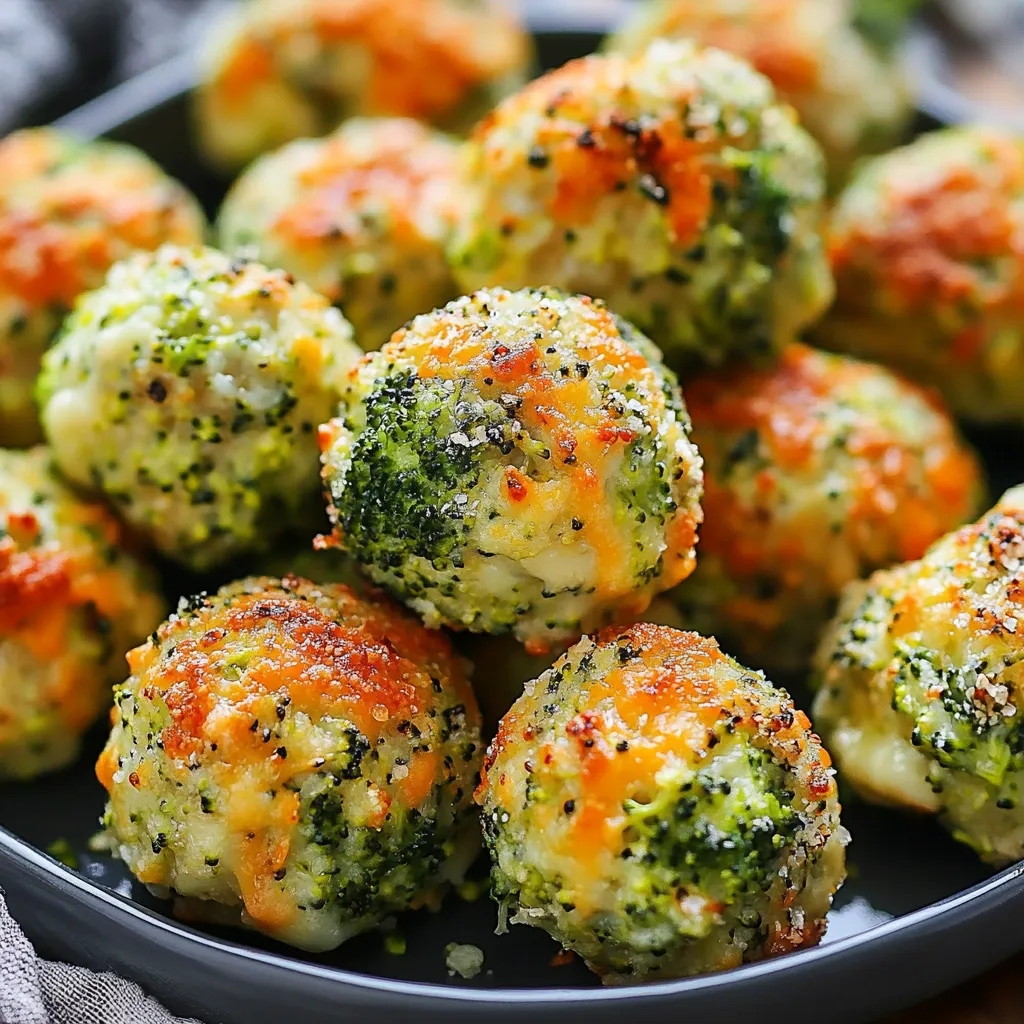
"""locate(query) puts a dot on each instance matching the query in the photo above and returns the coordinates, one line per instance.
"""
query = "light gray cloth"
(36, 58)
(36, 991)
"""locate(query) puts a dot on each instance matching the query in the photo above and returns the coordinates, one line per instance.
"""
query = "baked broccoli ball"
(849, 97)
(302, 757)
(68, 210)
(671, 184)
(188, 389)
(277, 70)
(817, 472)
(361, 216)
(927, 245)
(73, 599)
(516, 462)
(921, 684)
(660, 810)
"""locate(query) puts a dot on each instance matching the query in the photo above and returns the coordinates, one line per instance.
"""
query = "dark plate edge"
(175, 77)
(131, 99)
(885, 939)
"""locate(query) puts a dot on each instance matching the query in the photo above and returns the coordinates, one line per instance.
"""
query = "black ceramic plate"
(918, 914)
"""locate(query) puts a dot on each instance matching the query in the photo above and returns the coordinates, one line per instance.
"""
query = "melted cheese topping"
(942, 656)
(424, 56)
(68, 211)
(820, 470)
(634, 725)
(258, 690)
(825, 423)
(522, 364)
(942, 215)
(71, 599)
(817, 61)
(594, 149)
(396, 171)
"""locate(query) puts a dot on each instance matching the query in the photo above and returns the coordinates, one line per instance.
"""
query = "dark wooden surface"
(994, 998)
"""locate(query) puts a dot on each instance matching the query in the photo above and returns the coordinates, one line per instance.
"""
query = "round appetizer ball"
(660, 810)
(516, 462)
(929, 264)
(671, 184)
(68, 210)
(362, 216)
(188, 390)
(296, 754)
(277, 70)
(817, 472)
(849, 97)
(73, 599)
(921, 682)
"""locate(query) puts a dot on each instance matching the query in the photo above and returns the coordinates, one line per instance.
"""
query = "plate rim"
(1001, 888)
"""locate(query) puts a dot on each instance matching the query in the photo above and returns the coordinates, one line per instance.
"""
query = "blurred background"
(56, 54)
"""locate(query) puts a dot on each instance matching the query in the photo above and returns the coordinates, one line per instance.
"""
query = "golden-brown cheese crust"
(277, 747)
(621, 778)
(818, 471)
(424, 60)
(362, 215)
(927, 248)
(68, 211)
(72, 597)
(849, 97)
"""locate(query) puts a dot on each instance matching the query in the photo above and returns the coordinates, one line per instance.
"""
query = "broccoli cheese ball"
(188, 389)
(68, 210)
(921, 684)
(672, 185)
(850, 98)
(73, 599)
(301, 756)
(361, 216)
(277, 70)
(660, 810)
(516, 462)
(817, 472)
(927, 245)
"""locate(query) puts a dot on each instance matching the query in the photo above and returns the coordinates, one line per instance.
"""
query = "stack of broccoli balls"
(540, 388)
